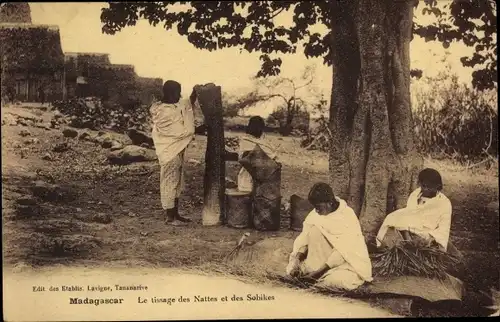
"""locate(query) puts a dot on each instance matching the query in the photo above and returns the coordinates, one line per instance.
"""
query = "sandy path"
(163, 283)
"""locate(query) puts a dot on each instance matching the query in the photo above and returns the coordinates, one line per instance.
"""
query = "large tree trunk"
(373, 162)
(209, 98)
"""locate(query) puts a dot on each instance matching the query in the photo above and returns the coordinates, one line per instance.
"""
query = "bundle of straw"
(411, 258)
(240, 253)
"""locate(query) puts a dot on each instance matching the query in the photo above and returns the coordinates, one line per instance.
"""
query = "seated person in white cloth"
(331, 248)
(254, 136)
(427, 214)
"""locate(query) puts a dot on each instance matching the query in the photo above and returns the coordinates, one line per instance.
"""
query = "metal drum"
(238, 208)
(266, 214)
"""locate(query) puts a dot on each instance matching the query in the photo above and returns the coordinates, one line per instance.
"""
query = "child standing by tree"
(173, 130)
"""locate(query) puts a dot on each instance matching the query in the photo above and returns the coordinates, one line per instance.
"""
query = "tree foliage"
(472, 22)
(250, 26)
(455, 121)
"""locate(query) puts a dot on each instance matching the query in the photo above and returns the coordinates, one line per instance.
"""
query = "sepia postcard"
(205, 160)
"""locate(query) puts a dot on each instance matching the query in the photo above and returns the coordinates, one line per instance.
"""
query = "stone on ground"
(106, 144)
(24, 133)
(47, 157)
(140, 138)
(70, 133)
(61, 147)
(115, 145)
(26, 201)
(31, 141)
(9, 119)
(49, 192)
(84, 136)
(131, 154)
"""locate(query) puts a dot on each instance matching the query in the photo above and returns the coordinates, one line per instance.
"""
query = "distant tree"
(281, 118)
(234, 104)
(373, 158)
(290, 96)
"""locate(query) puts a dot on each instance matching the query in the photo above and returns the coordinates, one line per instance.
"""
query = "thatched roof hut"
(32, 48)
(15, 12)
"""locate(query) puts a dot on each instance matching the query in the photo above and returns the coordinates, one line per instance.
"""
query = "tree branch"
(306, 84)
(277, 12)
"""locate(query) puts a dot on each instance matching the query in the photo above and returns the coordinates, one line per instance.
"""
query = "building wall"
(148, 89)
(32, 57)
(26, 86)
(16, 12)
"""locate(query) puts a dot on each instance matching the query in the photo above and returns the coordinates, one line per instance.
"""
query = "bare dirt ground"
(172, 283)
(99, 214)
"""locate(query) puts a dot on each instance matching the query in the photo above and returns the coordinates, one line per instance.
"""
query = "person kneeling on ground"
(331, 248)
(173, 130)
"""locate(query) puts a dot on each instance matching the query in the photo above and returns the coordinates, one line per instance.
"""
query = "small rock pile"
(91, 113)
(25, 119)
(120, 153)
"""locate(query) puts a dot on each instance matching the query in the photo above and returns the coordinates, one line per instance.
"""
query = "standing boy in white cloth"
(331, 248)
(173, 130)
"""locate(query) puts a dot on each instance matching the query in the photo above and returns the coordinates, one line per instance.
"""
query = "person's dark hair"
(256, 126)
(430, 177)
(321, 193)
(171, 91)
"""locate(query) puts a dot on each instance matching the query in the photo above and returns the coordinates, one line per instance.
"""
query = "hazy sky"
(159, 53)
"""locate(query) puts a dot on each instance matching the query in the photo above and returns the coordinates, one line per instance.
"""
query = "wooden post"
(209, 97)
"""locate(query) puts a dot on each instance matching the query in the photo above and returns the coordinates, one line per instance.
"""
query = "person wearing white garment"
(427, 215)
(331, 248)
(254, 136)
(173, 130)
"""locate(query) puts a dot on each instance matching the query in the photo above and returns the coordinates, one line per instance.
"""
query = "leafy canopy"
(250, 26)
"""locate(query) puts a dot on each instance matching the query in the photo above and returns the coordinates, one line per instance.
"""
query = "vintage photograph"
(186, 160)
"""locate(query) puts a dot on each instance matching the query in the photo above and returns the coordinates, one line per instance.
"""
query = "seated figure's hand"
(313, 276)
(293, 267)
(310, 277)
(295, 272)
